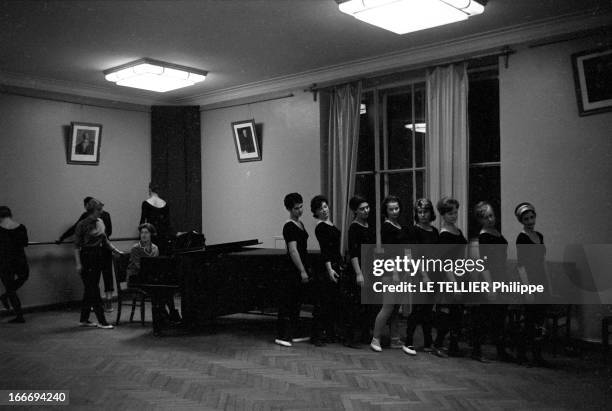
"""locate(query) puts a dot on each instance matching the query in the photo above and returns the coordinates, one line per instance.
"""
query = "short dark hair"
(86, 200)
(94, 204)
(292, 199)
(446, 204)
(149, 227)
(5, 212)
(316, 203)
(424, 204)
(355, 201)
(154, 187)
(388, 200)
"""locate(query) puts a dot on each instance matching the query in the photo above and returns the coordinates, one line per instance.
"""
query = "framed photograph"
(245, 138)
(593, 77)
(84, 143)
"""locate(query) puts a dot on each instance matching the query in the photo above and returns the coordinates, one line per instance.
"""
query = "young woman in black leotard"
(296, 240)
(391, 233)
(156, 211)
(328, 237)
(449, 316)
(359, 318)
(14, 268)
(493, 246)
(424, 233)
(531, 253)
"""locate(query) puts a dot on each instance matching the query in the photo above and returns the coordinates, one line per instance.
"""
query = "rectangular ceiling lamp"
(149, 74)
(405, 16)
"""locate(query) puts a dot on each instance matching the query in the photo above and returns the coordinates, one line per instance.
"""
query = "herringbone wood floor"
(236, 367)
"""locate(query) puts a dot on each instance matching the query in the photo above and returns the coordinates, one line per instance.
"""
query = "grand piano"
(231, 278)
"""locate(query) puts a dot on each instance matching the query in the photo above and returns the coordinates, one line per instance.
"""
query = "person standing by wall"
(14, 270)
(90, 239)
(359, 319)
(107, 269)
(293, 282)
(156, 211)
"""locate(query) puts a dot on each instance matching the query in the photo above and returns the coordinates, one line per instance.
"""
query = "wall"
(243, 201)
(45, 193)
(552, 157)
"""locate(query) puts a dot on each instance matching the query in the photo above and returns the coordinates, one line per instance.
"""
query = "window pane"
(420, 104)
(401, 185)
(364, 186)
(483, 109)
(484, 186)
(365, 151)
(420, 184)
(397, 108)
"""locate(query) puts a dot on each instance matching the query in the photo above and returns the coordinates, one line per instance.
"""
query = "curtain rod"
(505, 51)
(237, 104)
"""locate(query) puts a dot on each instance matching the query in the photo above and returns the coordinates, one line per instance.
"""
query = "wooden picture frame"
(246, 141)
(84, 143)
(593, 79)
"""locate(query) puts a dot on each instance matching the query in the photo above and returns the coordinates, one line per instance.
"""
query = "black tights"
(12, 283)
(92, 263)
(421, 314)
(325, 319)
(290, 303)
(449, 318)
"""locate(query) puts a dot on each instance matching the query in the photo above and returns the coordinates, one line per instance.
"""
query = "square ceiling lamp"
(154, 75)
(405, 16)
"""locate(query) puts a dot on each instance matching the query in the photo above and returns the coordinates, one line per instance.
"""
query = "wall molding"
(429, 55)
(73, 99)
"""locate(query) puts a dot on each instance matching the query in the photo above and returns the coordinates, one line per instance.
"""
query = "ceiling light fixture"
(418, 127)
(405, 16)
(154, 75)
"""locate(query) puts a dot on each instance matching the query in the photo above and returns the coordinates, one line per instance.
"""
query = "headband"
(523, 208)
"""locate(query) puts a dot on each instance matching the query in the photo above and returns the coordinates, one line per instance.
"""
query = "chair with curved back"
(125, 292)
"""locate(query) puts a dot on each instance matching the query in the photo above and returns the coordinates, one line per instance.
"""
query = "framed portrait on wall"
(84, 143)
(245, 140)
(593, 78)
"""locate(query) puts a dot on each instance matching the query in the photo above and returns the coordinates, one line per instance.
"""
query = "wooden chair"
(125, 293)
(561, 318)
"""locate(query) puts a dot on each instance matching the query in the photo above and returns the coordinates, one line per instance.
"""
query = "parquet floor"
(235, 366)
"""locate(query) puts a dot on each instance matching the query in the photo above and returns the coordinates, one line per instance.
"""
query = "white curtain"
(342, 159)
(447, 131)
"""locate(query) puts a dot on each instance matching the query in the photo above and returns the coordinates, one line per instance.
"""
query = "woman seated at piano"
(145, 248)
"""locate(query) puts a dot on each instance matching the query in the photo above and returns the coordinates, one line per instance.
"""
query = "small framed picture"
(245, 139)
(593, 78)
(85, 140)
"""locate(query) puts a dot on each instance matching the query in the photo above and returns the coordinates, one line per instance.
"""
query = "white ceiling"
(65, 45)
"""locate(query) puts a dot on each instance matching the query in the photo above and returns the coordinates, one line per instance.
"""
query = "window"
(392, 145)
(391, 152)
(484, 173)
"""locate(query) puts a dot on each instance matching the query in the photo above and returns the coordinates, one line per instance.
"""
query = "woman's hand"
(305, 277)
(359, 279)
(333, 275)
(79, 269)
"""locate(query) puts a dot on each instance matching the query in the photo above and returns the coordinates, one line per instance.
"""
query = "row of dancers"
(338, 313)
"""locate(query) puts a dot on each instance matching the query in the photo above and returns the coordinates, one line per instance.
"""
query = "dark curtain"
(176, 154)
